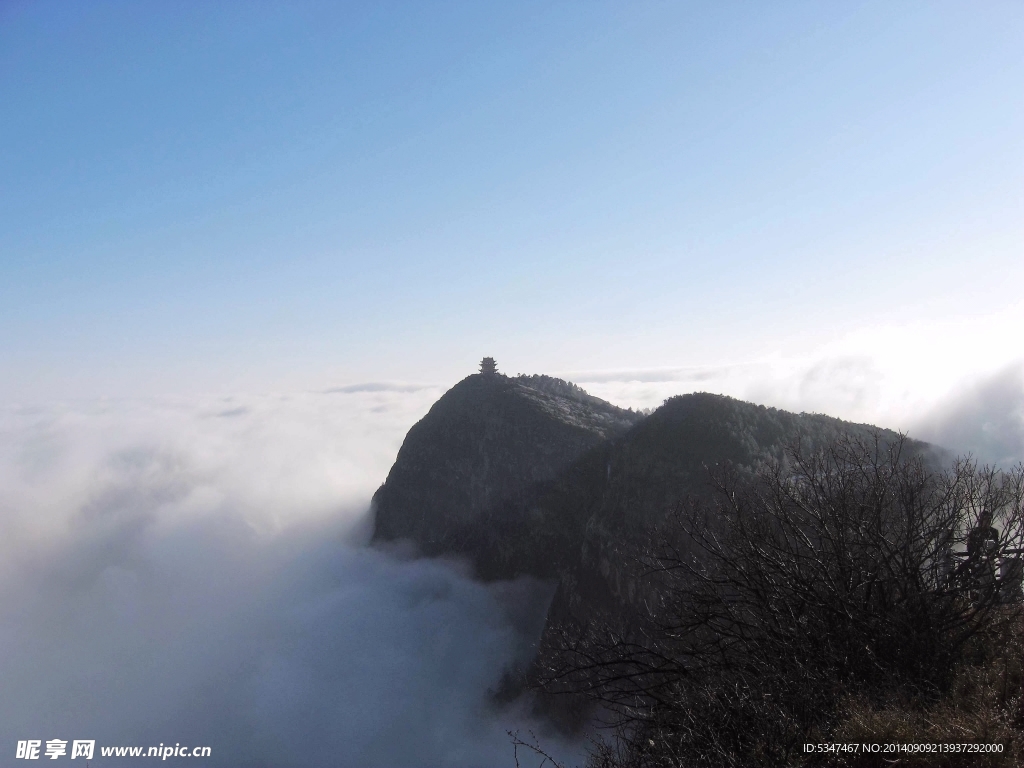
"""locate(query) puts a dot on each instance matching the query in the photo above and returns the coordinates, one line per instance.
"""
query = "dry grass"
(985, 706)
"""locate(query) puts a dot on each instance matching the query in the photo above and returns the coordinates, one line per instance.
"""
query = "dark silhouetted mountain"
(480, 452)
(532, 475)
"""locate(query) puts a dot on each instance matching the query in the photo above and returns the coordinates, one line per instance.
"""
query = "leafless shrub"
(850, 572)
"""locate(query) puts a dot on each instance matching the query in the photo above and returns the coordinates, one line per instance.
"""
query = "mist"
(984, 418)
(196, 572)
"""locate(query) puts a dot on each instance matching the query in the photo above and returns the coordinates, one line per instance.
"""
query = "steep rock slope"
(467, 469)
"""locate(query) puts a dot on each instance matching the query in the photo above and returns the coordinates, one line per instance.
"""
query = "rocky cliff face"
(466, 472)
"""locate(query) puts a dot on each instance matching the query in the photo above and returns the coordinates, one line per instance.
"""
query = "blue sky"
(224, 196)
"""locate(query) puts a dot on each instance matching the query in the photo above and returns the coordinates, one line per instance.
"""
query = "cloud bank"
(984, 418)
(193, 573)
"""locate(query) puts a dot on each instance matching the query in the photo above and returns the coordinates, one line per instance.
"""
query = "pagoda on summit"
(488, 367)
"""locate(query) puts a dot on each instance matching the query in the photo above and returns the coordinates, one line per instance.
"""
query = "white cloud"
(984, 418)
(192, 573)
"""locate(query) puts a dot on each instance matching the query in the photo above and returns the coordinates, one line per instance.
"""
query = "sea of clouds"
(195, 571)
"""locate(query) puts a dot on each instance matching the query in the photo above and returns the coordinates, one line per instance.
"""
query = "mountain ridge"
(534, 476)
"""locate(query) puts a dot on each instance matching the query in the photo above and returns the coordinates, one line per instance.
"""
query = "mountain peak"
(481, 449)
